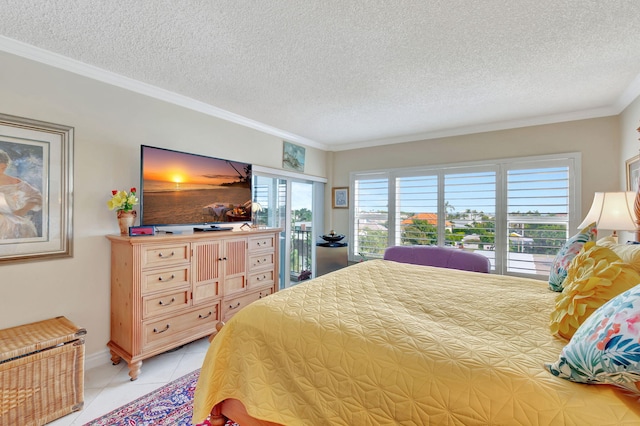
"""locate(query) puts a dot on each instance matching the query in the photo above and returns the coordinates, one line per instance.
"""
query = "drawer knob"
(160, 278)
(161, 254)
(200, 316)
(234, 307)
(155, 330)
(161, 303)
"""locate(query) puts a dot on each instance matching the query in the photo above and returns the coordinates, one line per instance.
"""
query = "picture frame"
(293, 156)
(632, 166)
(340, 198)
(36, 167)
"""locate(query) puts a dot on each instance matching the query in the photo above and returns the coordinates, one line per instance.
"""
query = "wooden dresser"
(168, 290)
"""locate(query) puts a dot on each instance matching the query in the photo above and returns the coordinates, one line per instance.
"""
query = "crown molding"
(630, 94)
(483, 128)
(56, 60)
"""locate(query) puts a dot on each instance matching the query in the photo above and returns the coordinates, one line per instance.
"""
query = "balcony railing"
(301, 246)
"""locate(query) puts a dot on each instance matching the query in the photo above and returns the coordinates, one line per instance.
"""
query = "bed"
(382, 342)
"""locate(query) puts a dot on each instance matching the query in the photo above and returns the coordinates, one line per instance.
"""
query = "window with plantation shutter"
(537, 217)
(470, 205)
(417, 210)
(371, 215)
(517, 212)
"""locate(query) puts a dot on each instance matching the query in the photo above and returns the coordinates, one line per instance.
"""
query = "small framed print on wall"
(293, 157)
(633, 173)
(340, 198)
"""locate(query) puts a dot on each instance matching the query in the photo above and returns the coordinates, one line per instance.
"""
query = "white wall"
(629, 147)
(630, 144)
(597, 140)
(110, 125)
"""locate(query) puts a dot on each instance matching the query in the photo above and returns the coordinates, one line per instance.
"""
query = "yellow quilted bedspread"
(382, 343)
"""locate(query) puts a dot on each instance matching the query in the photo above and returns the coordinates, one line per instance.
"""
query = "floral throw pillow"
(595, 276)
(606, 347)
(566, 254)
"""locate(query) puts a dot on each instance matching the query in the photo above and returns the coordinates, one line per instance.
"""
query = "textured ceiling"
(338, 74)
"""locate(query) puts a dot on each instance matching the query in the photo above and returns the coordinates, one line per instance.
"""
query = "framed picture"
(633, 173)
(293, 157)
(36, 188)
(340, 198)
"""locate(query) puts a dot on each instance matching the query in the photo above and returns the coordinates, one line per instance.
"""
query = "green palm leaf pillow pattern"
(606, 347)
(566, 254)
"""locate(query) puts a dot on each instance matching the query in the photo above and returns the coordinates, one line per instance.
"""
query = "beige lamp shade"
(612, 211)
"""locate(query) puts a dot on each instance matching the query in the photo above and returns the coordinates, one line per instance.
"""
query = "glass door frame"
(317, 209)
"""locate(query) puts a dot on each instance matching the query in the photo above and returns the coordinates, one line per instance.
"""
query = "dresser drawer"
(260, 279)
(164, 303)
(165, 279)
(262, 243)
(261, 261)
(166, 254)
(163, 332)
(231, 306)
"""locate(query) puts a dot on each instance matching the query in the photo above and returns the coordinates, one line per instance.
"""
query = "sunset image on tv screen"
(182, 188)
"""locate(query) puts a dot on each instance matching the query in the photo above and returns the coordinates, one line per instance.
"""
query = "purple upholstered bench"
(443, 257)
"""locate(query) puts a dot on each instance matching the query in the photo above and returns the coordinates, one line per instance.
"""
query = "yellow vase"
(126, 220)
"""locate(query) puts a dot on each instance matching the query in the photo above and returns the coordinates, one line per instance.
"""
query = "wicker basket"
(41, 372)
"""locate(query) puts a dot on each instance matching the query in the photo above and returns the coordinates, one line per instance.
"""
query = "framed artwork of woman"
(35, 189)
(21, 183)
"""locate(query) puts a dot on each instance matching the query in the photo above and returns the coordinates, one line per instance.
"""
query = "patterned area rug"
(171, 405)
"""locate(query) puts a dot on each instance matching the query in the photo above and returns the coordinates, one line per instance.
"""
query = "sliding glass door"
(288, 203)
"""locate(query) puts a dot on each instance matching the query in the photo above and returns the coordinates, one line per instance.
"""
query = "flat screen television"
(180, 188)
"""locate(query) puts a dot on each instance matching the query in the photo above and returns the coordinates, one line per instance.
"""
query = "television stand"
(211, 276)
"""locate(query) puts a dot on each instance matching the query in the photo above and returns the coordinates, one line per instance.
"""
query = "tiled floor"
(107, 387)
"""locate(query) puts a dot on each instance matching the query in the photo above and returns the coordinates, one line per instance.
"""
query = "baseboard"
(97, 359)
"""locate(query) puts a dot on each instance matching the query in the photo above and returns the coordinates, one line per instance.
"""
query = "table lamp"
(612, 211)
